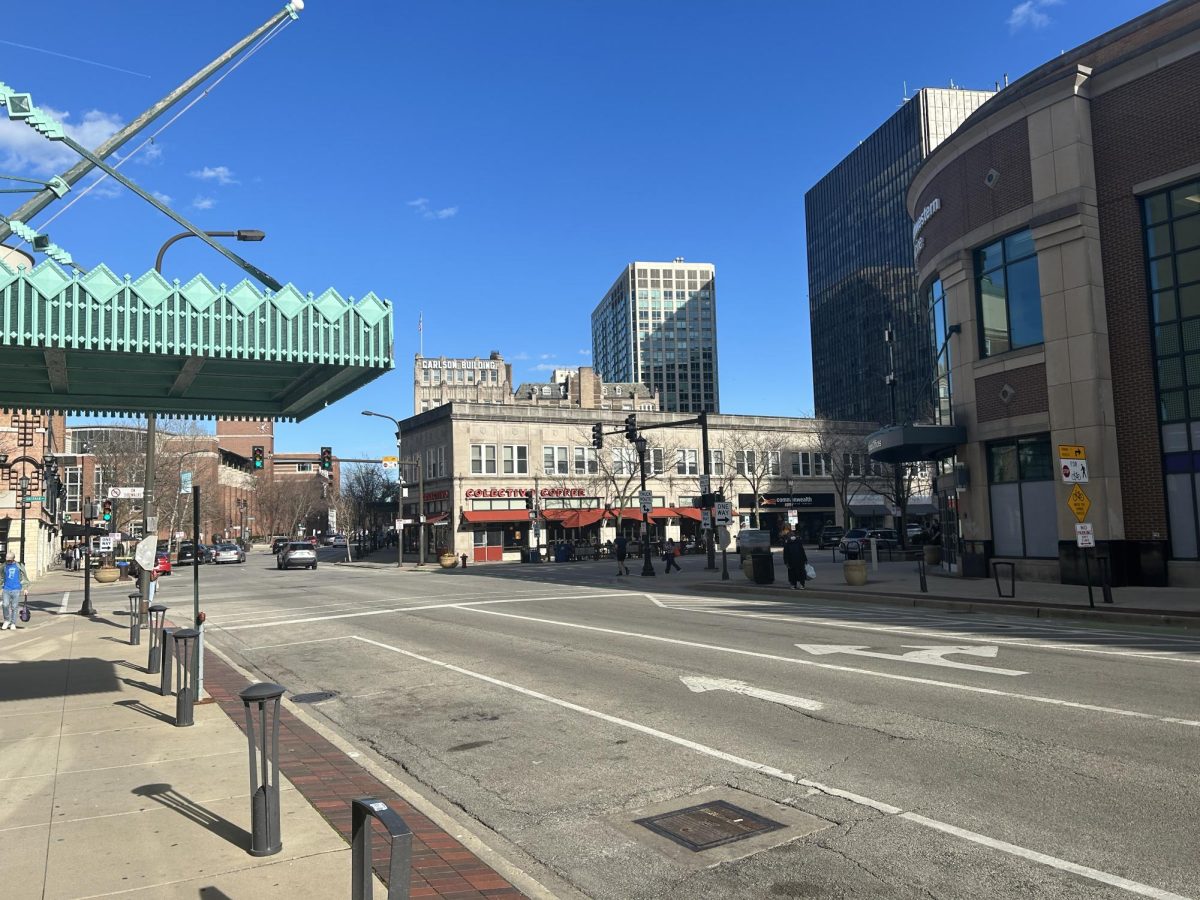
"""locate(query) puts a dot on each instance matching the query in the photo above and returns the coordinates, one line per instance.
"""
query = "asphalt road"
(904, 753)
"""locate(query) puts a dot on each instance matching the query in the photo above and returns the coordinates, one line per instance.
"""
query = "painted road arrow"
(699, 685)
(925, 654)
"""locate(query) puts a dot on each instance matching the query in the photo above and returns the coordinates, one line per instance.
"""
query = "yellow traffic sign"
(1079, 503)
(1072, 451)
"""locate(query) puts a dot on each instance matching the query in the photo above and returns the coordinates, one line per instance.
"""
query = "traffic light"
(631, 427)
(107, 516)
(326, 459)
(257, 454)
(529, 500)
(597, 435)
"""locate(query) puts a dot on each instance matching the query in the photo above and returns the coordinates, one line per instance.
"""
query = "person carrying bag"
(795, 558)
(16, 582)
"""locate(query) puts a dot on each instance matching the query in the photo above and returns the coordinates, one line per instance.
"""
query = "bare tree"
(898, 484)
(841, 457)
(364, 488)
(284, 504)
(756, 459)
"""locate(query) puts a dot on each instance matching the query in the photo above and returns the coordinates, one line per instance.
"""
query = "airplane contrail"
(90, 62)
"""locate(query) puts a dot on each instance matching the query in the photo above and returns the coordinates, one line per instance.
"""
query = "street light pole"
(149, 508)
(23, 485)
(647, 565)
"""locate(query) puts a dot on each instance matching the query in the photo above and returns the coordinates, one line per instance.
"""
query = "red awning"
(435, 519)
(574, 518)
(496, 515)
(689, 512)
(658, 512)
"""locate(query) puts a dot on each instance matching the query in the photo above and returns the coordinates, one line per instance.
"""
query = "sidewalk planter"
(448, 560)
(855, 571)
(107, 574)
(933, 554)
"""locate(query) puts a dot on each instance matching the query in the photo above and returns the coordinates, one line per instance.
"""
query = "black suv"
(830, 536)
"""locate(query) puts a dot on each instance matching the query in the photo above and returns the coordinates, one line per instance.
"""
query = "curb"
(1167, 618)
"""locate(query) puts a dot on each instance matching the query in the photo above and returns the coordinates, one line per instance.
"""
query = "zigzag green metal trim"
(101, 311)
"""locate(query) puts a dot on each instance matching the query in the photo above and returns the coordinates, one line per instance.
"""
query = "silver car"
(228, 553)
(297, 554)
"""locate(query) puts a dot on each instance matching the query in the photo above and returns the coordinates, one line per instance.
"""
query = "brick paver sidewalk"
(329, 780)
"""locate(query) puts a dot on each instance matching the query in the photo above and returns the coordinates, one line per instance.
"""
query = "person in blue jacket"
(15, 582)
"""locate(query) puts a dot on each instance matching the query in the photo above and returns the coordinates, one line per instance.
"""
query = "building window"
(516, 459)
(1010, 300)
(554, 461)
(935, 299)
(73, 481)
(772, 462)
(716, 462)
(585, 461)
(687, 462)
(483, 459)
(802, 464)
(1171, 220)
(1021, 490)
(624, 461)
(745, 461)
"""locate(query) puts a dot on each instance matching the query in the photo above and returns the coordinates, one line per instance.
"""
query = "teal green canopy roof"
(101, 344)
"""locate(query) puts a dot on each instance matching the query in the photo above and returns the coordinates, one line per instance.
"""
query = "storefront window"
(935, 298)
(1010, 299)
(1171, 222)
(1021, 490)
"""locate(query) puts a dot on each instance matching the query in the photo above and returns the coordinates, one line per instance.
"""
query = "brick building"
(1057, 239)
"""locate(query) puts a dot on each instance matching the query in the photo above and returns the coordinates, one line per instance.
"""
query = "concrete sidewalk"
(101, 794)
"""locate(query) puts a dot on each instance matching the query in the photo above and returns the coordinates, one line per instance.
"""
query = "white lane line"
(258, 610)
(1134, 887)
(911, 679)
(63, 608)
(340, 637)
(1156, 655)
(399, 609)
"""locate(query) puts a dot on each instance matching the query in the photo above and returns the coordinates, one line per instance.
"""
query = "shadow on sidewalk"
(139, 706)
(189, 809)
(214, 893)
(55, 678)
(152, 688)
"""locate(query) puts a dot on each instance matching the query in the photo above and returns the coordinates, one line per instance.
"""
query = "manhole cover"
(314, 697)
(709, 825)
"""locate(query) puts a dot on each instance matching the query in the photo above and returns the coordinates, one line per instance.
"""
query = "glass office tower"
(861, 270)
(657, 325)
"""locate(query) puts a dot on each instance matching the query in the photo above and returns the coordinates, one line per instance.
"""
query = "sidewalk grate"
(709, 825)
(314, 697)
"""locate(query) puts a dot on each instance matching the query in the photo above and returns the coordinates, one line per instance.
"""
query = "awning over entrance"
(869, 504)
(912, 443)
(98, 343)
(476, 516)
(436, 519)
(689, 512)
(574, 518)
(921, 506)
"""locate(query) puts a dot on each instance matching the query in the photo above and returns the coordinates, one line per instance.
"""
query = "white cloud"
(203, 203)
(151, 153)
(519, 356)
(585, 352)
(546, 356)
(220, 174)
(1030, 13)
(162, 198)
(23, 150)
(421, 205)
(545, 367)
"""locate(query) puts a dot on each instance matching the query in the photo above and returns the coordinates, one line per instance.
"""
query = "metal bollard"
(135, 620)
(166, 647)
(157, 613)
(921, 573)
(399, 872)
(185, 696)
(264, 772)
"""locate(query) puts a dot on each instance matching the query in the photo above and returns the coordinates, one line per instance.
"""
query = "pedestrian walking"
(669, 554)
(622, 546)
(795, 558)
(15, 582)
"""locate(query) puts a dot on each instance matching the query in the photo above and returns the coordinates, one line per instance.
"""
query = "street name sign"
(1084, 535)
(1079, 503)
(133, 493)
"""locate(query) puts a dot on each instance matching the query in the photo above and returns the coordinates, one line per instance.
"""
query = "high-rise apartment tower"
(861, 269)
(657, 325)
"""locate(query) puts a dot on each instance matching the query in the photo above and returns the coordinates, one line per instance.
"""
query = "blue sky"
(494, 163)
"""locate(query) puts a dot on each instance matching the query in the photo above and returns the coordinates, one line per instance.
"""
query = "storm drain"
(314, 697)
(709, 825)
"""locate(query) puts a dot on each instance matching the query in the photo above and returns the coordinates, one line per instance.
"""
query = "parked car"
(297, 554)
(338, 540)
(913, 529)
(162, 562)
(205, 553)
(228, 553)
(856, 542)
(186, 554)
(830, 536)
(749, 540)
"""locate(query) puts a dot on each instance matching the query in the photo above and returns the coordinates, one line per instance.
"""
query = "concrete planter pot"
(107, 574)
(447, 560)
(933, 554)
(855, 572)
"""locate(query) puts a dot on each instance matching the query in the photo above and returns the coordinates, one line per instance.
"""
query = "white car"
(228, 553)
(297, 554)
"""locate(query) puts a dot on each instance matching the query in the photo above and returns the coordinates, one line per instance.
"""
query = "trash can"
(763, 567)
(562, 553)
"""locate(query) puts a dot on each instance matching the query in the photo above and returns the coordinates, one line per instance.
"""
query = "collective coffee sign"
(480, 493)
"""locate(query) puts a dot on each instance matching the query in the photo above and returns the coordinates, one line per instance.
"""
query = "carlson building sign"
(459, 364)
